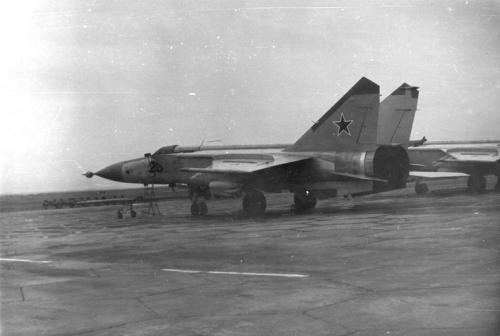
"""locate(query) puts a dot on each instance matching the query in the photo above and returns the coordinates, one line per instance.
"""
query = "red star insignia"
(343, 125)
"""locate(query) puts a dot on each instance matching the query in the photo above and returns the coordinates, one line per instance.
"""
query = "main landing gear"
(304, 202)
(199, 209)
(254, 204)
(421, 188)
(476, 184)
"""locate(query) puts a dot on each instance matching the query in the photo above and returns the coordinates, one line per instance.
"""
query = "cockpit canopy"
(166, 150)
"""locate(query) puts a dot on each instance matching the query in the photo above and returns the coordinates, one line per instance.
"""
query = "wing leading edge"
(242, 164)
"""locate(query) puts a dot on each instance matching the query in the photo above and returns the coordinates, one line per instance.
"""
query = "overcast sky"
(85, 84)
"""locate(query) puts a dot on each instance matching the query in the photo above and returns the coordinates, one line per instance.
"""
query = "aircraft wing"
(244, 164)
(471, 155)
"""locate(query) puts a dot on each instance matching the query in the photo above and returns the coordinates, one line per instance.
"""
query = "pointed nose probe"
(113, 172)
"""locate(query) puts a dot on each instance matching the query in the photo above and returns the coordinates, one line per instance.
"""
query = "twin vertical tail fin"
(396, 116)
(350, 125)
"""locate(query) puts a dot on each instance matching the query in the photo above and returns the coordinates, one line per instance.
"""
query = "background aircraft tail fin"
(351, 124)
(396, 115)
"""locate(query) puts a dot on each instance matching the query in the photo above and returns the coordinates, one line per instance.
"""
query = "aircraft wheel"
(195, 209)
(133, 213)
(254, 203)
(119, 214)
(304, 203)
(421, 188)
(203, 208)
(476, 184)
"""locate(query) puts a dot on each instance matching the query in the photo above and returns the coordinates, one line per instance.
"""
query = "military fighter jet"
(337, 156)
(436, 160)
(474, 159)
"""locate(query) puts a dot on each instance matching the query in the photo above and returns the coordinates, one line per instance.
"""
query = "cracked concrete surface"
(388, 264)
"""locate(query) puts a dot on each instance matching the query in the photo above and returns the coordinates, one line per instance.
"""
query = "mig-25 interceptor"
(472, 159)
(337, 156)
(440, 159)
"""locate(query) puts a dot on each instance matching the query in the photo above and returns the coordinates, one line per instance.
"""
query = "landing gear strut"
(254, 204)
(304, 202)
(476, 184)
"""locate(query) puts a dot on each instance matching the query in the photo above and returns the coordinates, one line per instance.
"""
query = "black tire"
(421, 188)
(119, 214)
(254, 203)
(476, 184)
(304, 203)
(195, 209)
(203, 208)
(133, 214)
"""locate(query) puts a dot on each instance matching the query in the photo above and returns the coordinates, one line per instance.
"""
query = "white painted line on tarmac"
(239, 273)
(181, 271)
(25, 260)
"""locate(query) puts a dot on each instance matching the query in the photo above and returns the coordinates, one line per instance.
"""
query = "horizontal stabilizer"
(472, 155)
(437, 175)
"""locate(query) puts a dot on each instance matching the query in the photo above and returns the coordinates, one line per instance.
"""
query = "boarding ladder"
(149, 205)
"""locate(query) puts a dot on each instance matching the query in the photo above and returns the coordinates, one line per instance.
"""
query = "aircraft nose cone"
(113, 172)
